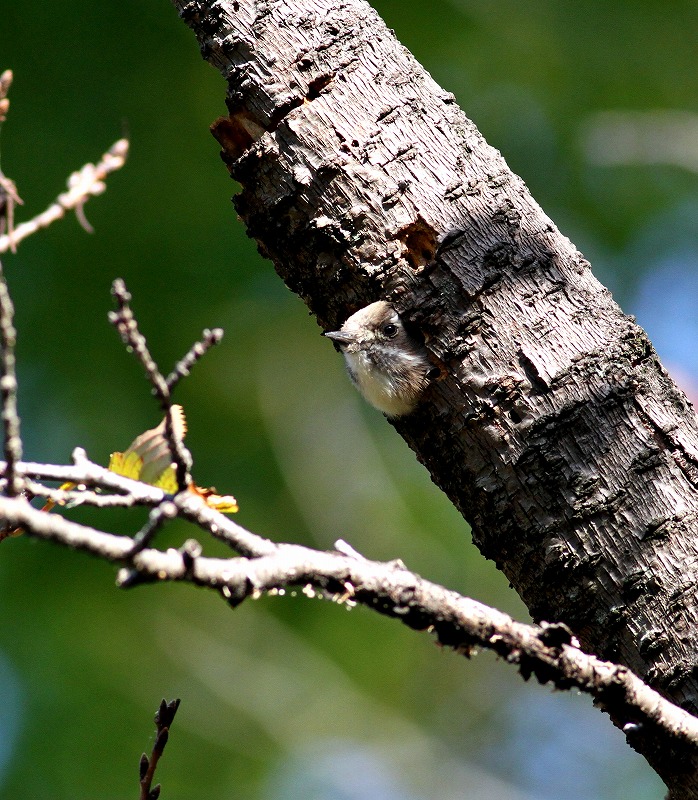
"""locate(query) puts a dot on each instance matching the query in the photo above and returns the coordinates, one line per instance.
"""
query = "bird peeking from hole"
(387, 365)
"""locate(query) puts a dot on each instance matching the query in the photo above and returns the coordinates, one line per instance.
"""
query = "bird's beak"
(340, 336)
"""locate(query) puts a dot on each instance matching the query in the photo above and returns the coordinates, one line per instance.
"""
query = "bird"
(389, 367)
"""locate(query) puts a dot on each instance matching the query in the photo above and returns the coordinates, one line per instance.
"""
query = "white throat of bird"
(387, 365)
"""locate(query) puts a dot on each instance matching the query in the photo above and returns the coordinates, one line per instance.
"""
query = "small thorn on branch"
(190, 550)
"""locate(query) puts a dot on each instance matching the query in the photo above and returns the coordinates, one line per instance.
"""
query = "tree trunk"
(553, 427)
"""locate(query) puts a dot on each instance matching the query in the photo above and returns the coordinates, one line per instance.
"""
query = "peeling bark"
(553, 427)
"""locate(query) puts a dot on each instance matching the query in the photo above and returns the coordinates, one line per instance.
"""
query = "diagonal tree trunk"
(553, 427)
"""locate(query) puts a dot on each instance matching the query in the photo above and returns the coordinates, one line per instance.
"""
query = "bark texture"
(553, 428)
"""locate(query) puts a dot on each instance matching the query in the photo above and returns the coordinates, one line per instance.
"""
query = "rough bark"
(553, 428)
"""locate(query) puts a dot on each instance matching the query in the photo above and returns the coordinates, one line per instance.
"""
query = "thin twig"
(190, 506)
(12, 443)
(70, 498)
(156, 519)
(197, 350)
(9, 200)
(86, 473)
(9, 197)
(17, 512)
(163, 720)
(127, 327)
(249, 544)
(82, 185)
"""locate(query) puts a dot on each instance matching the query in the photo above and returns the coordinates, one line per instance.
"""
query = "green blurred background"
(289, 699)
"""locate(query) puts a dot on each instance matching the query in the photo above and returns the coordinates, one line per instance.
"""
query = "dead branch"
(87, 182)
(549, 652)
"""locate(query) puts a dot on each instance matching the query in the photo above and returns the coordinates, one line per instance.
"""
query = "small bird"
(387, 365)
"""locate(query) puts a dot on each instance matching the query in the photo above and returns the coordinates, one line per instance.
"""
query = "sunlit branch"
(87, 182)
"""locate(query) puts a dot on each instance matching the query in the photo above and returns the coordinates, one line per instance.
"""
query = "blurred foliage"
(288, 698)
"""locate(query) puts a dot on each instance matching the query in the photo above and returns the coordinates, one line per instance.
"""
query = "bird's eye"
(390, 330)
